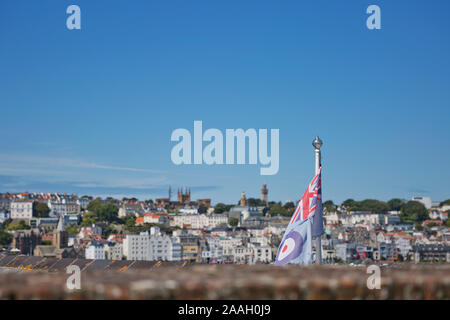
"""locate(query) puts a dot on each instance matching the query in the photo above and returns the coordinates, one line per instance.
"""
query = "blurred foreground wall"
(152, 280)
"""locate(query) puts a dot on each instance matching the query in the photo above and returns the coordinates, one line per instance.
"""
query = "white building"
(95, 250)
(361, 218)
(189, 210)
(214, 251)
(136, 247)
(151, 217)
(241, 254)
(194, 221)
(256, 232)
(261, 253)
(228, 243)
(62, 208)
(255, 252)
(176, 249)
(135, 209)
(84, 202)
(403, 246)
(261, 240)
(199, 221)
(22, 209)
(391, 219)
(215, 220)
(426, 201)
(331, 218)
(345, 251)
(113, 251)
(152, 248)
(164, 248)
(3, 216)
(275, 229)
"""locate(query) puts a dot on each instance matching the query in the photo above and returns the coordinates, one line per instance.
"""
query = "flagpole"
(317, 143)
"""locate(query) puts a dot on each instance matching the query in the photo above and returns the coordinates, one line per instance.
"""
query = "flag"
(296, 246)
(306, 222)
(310, 206)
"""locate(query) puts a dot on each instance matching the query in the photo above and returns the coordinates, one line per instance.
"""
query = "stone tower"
(60, 235)
(265, 194)
(184, 196)
(243, 201)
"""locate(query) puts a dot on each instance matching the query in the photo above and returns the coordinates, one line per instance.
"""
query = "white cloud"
(15, 162)
(32, 169)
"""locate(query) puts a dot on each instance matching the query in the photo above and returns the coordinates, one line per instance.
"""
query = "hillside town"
(247, 232)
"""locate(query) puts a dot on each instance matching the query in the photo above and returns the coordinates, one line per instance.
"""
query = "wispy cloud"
(35, 173)
(134, 183)
(418, 190)
(13, 163)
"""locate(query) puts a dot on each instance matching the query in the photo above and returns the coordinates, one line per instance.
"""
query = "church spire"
(61, 226)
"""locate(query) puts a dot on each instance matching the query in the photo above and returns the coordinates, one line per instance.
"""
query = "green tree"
(446, 202)
(5, 238)
(289, 205)
(329, 206)
(72, 229)
(95, 205)
(5, 224)
(348, 204)
(371, 205)
(253, 202)
(221, 208)
(21, 225)
(413, 211)
(111, 199)
(278, 209)
(88, 219)
(374, 206)
(395, 204)
(108, 230)
(145, 227)
(106, 212)
(41, 209)
(447, 223)
(233, 221)
(130, 221)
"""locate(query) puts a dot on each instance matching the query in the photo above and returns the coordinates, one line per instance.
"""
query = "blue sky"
(91, 111)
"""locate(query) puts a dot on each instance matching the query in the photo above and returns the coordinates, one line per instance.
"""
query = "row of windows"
(20, 215)
(21, 206)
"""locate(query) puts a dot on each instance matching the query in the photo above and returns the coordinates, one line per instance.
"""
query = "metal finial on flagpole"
(317, 143)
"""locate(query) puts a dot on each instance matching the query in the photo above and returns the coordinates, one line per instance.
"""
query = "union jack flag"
(311, 202)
